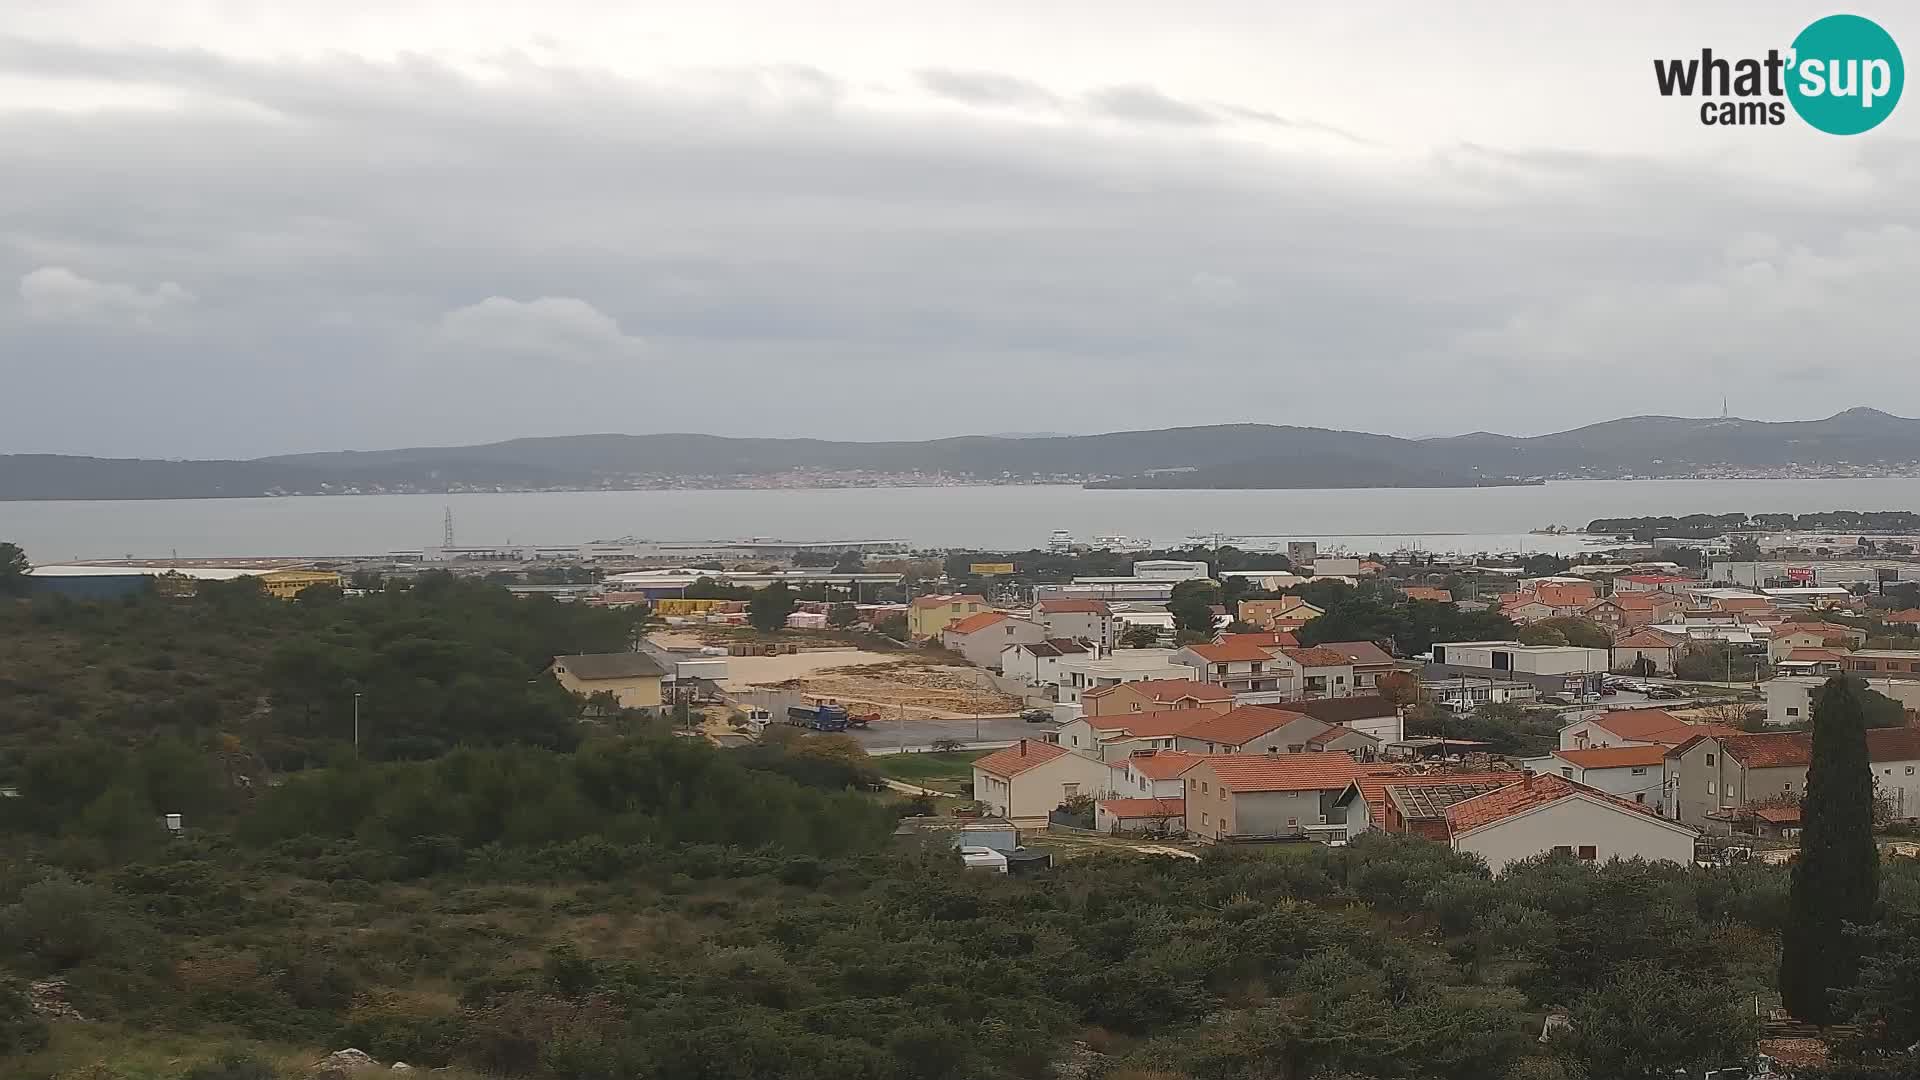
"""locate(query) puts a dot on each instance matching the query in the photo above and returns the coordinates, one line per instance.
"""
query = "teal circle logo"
(1847, 75)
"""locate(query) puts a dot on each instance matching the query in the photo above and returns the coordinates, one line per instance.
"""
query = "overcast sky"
(237, 228)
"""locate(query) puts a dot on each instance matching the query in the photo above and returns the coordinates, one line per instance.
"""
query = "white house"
(1241, 667)
(1637, 774)
(1079, 674)
(1151, 774)
(1113, 736)
(1550, 813)
(1028, 780)
(981, 638)
(1894, 756)
(1634, 727)
(1037, 663)
(1078, 620)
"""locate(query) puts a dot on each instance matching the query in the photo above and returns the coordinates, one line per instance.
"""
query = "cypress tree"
(1837, 877)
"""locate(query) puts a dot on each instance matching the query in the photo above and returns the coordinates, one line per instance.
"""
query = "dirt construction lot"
(918, 688)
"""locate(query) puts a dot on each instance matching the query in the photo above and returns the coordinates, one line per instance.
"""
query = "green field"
(952, 771)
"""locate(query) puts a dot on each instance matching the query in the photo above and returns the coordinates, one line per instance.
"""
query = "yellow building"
(683, 606)
(286, 584)
(928, 615)
(632, 678)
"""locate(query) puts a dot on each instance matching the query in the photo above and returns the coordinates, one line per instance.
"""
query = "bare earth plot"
(915, 687)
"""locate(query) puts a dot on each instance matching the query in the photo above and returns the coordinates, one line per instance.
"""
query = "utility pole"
(356, 723)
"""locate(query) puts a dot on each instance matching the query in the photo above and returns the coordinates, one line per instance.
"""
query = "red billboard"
(1799, 573)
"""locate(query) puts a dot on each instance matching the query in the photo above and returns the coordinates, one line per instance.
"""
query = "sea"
(1439, 520)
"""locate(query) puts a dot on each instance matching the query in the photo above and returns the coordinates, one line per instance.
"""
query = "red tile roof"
(1144, 808)
(1657, 726)
(1893, 744)
(1234, 652)
(1566, 595)
(1321, 656)
(1614, 757)
(1363, 653)
(1018, 758)
(1905, 615)
(1169, 690)
(1235, 728)
(1084, 607)
(1778, 815)
(1422, 592)
(1151, 725)
(1160, 764)
(1818, 656)
(1243, 773)
(975, 623)
(1769, 751)
(1537, 790)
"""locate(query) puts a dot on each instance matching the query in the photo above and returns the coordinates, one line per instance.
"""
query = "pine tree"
(1837, 877)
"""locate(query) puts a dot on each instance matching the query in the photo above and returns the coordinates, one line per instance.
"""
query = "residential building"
(633, 678)
(1270, 640)
(1079, 674)
(1367, 661)
(1550, 813)
(1114, 737)
(1038, 663)
(981, 638)
(1151, 817)
(1315, 671)
(1903, 617)
(1287, 613)
(1423, 592)
(1151, 774)
(1241, 667)
(1266, 797)
(1634, 727)
(1820, 635)
(1078, 620)
(1249, 729)
(1029, 780)
(1345, 566)
(1637, 774)
(1812, 662)
(1647, 651)
(1399, 802)
(1895, 757)
(1884, 663)
(1632, 610)
(1156, 695)
(928, 615)
(1366, 713)
(1709, 774)
(1553, 669)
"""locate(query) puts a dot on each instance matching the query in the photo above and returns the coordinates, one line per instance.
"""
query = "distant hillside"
(1222, 456)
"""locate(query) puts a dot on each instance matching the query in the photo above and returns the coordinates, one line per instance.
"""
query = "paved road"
(888, 735)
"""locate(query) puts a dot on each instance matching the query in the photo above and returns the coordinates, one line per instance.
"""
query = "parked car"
(1556, 699)
(1036, 716)
(1663, 693)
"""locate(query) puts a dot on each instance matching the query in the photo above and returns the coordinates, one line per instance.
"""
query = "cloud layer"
(787, 249)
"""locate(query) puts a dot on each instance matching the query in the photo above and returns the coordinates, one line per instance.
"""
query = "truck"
(825, 716)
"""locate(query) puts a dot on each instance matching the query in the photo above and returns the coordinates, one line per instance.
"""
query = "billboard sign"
(1800, 573)
(989, 569)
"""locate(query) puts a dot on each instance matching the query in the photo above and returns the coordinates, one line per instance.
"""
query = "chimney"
(1023, 748)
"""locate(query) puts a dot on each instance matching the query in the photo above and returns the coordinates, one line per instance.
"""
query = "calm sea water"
(1008, 518)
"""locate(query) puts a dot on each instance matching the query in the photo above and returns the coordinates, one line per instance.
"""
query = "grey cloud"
(57, 294)
(561, 328)
(1145, 105)
(987, 88)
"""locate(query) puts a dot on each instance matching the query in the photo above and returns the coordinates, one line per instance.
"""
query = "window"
(1562, 849)
(1793, 710)
(1568, 773)
(1136, 706)
(1710, 787)
(1640, 798)
(1709, 761)
(1293, 823)
(1203, 817)
(1069, 790)
(1588, 853)
(1204, 788)
(1640, 771)
(1909, 770)
(1273, 749)
(1339, 680)
(1192, 785)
